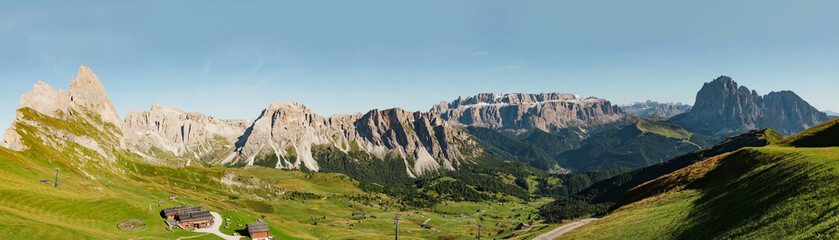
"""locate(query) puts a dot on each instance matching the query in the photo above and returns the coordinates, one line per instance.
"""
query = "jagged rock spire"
(87, 91)
(86, 95)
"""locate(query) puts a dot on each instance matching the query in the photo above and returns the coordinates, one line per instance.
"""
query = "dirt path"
(196, 236)
(215, 228)
(553, 234)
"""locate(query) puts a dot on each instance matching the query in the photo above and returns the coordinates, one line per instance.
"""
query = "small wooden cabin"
(258, 230)
(194, 220)
(172, 213)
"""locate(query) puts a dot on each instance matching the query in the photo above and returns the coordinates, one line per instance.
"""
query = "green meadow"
(94, 194)
(755, 193)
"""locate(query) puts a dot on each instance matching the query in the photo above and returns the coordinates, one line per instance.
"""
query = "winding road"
(216, 226)
(553, 234)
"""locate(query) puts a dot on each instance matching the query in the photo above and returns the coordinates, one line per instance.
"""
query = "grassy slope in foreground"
(613, 189)
(601, 196)
(754, 193)
(33, 210)
(95, 194)
(822, 135)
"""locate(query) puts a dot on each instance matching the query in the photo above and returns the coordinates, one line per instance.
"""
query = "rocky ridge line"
(522, 112)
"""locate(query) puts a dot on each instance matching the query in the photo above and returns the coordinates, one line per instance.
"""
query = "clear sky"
(232, 59)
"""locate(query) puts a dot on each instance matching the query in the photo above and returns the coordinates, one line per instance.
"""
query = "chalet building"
(171, 213)
(258, 230)
(194, 220)
(188, 217)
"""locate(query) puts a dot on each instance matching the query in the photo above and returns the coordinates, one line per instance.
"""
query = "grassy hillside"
(96, 192)
(613, 189)
(822, 135)
(556, 142)
(600, 196)
(297, 205)
(771, 192)
(508, 148)
(637, 143)
(662, 129)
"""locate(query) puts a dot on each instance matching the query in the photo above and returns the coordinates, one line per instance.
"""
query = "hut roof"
(195, 216)
(180, 210)
(258, 227)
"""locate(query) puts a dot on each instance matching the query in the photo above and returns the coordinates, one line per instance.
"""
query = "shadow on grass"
(243, 232)
(734, 199)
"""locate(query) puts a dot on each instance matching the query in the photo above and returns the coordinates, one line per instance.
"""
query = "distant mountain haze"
(655, 109)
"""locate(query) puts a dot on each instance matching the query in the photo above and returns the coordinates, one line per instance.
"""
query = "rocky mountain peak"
(162, 108)
(724, 107)
(293, 134)
(289, 106)
(655, 109)
(723, 79)
(85, 102)
(44, 99)
(522, 111)
(87, 91)
(184, 135)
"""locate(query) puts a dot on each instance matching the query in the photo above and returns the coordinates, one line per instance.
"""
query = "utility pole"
(397, 218)
(56, 177)
(479, 231)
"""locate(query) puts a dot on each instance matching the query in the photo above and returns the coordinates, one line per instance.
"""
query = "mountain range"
(521, 112)
(650, 109)
(490, 158)
(562, 130)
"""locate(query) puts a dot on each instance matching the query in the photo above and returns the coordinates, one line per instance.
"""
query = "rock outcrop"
(723, 107)
(179, 134)
(654, 109)
(86, 91)
(86, 103)
(286, 132)
(521, 112)
(289, 131)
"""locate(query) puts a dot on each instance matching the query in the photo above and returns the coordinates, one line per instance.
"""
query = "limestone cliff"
(85, 103)
(166, 132)
(289, 131)
(521, 112)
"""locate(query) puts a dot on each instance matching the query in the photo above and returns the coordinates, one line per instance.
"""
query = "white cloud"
(207, 66)
(508, 67)
(257, 66)
(481, 53)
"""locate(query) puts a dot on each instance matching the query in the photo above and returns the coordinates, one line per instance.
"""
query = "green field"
(663, 129)
(95, 194)
(755, 193)
(39, 211)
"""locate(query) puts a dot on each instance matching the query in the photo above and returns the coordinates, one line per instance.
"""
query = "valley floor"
(297, 205)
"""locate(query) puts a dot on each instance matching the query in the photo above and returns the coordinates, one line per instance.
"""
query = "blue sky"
(232, 60)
